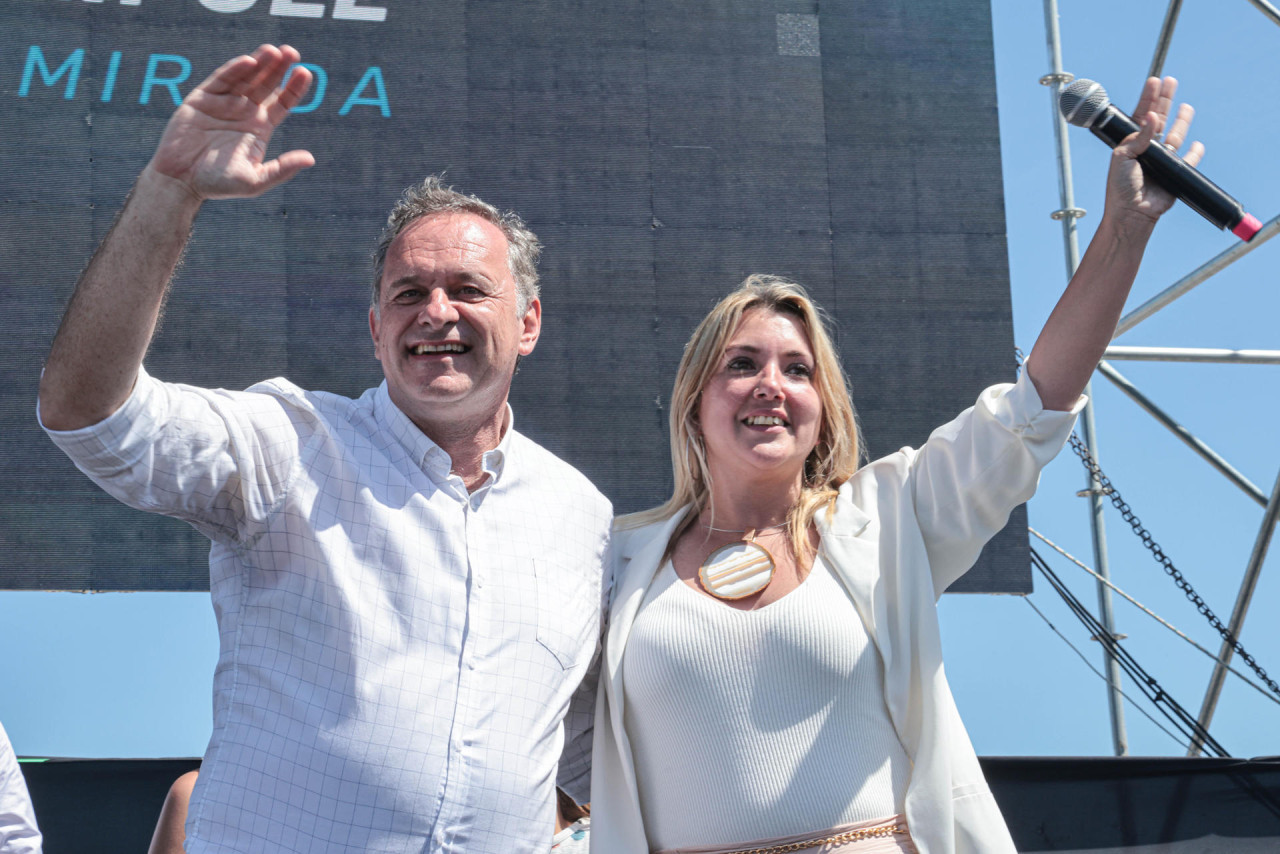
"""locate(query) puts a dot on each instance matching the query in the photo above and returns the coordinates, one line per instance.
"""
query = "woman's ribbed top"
(747, 725)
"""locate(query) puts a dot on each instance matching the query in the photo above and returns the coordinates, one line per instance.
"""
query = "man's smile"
(447, 347)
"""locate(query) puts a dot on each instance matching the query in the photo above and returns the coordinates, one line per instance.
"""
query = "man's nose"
(438, 309)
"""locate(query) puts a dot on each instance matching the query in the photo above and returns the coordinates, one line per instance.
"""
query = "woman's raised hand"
(1129, 192)
(1081, 325)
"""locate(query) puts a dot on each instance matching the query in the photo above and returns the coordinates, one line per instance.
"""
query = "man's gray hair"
(433, 197)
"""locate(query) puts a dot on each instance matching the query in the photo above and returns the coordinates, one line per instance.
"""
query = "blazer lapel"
(851, 550)
(637, 560)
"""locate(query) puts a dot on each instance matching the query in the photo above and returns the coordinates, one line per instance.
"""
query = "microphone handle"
(1173, 173)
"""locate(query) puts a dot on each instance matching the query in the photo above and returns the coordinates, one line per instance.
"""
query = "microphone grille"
(1082, 102)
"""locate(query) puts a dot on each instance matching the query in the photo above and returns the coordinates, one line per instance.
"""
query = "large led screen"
(661, 149)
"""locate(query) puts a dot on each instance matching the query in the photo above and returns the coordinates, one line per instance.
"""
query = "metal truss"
(1068, 213)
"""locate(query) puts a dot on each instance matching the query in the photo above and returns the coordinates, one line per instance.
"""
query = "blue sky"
(131, 674)
(1020, 688)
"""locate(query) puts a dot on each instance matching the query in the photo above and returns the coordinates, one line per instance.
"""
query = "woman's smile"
(761, 410)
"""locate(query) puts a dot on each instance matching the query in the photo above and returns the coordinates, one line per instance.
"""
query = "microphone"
(1085, 103)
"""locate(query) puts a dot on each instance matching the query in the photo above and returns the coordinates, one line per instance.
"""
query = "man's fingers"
(230, 76)
(290, 94)
(270, 71)
(284, 167)
(220, 155)
(258, 76)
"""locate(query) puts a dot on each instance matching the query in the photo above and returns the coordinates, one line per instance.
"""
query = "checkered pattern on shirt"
(18, 831)
(396, 655)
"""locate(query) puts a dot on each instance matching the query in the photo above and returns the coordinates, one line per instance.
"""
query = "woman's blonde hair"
(834, 458)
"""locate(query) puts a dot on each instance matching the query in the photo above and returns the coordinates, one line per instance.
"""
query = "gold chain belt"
(837, 839)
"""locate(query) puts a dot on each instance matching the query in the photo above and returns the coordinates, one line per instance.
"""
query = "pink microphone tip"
(1247, 227)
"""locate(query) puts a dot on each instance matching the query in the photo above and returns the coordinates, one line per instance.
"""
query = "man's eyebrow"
(459, 276)
(471, 276)
(409, 279)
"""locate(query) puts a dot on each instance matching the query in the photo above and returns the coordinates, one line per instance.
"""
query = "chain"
(1107, 489)
(1152, 614)
(837, 839)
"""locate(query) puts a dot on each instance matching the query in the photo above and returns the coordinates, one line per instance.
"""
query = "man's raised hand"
(213, 148)
(216, 142)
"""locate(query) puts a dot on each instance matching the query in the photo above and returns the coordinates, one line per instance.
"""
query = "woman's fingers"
(1135, 144)
(1164, 100)
(1147, 100)
(1154, 107)
(1194, 154)
(1157, 97)
(1177, 133)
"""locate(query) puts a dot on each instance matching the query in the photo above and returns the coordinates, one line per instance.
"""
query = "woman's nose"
(769, 383)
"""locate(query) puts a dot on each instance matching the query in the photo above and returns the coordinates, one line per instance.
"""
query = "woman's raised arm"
(1084, 320)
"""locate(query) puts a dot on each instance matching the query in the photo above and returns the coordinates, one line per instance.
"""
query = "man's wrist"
(154, 188)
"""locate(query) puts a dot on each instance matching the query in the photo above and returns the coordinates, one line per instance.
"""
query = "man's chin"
(441, 393)
(442, 396)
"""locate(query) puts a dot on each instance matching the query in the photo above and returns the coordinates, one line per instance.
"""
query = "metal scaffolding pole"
(1196, 277)
(1267, 9)
(1068, 213)
(1166, 35)
(1207, 453)
(1238, 613)
(1192, 354)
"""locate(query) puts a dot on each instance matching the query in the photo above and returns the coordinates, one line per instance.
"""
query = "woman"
(773, 669)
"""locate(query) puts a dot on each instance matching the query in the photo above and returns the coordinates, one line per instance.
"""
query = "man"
(408, 591)
(18, 831)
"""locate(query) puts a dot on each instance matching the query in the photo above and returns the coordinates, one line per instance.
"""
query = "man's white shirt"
(396, 654)
(18, 831)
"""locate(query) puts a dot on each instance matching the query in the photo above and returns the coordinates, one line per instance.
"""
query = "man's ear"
(532, 321)
(373, 332)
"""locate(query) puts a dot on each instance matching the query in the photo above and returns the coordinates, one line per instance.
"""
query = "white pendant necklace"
(739, 569)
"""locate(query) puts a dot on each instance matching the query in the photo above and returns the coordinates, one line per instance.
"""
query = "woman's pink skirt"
(879, 836)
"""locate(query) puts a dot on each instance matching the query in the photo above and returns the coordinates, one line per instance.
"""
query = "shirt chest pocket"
(568, 605)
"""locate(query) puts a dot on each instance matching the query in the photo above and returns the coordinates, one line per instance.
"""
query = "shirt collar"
(429, 456)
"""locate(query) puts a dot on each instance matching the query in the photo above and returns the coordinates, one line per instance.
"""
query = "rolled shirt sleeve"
(221, 460)
(973, 471)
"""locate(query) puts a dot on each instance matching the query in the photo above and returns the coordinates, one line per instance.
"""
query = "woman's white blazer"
(903, 528)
